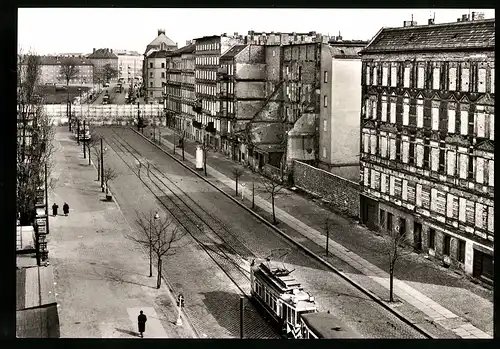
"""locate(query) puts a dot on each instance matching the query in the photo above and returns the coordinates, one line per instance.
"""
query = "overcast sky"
(79, 30)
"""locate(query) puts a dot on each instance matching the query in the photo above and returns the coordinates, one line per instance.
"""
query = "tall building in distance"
(129, 65)
(99, 59)
(427, 138)
(50, 67)
(155, 75)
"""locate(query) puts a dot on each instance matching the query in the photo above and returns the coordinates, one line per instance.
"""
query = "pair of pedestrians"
(56, 206)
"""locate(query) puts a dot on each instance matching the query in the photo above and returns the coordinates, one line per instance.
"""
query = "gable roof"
(102, 53)
(233, 51)
(186, 49)
(446, 36)
(339, 51)
(159, 54)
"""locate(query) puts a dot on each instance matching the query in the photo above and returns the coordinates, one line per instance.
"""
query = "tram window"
(292, 320)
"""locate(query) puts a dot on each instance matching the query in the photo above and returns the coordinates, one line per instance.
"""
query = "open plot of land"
(59, 95)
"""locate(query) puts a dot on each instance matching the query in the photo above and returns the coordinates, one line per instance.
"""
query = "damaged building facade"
(427, 139)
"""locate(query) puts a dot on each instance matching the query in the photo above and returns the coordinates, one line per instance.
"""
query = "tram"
(325, 326)
(281, 296)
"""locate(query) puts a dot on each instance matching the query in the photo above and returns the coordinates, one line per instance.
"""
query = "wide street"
(211, 296)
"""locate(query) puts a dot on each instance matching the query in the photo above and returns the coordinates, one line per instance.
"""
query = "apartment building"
(129, 65)
(179, 90)
(50, 70)
(160, 43)
(99, 59)
(427, 139)
(340, 107)
(207, 60)
(241, 86)
(155, 75)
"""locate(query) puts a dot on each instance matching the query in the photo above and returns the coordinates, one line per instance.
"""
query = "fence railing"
(105, 112)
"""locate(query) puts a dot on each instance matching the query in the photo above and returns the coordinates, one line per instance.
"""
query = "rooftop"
(233, 51)
(53, 60)
(340, 51)
(161, 40)
(102, 53)
(186, 49)
(160, 54)
(457, 35)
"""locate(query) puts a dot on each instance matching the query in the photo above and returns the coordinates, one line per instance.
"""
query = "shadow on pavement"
(131, 333)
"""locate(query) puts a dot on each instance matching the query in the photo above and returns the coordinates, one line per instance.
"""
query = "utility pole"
(78, 132)
(88, 148)
(242, 307)
(46, 198)
(183, 138)
(138, 117)
(83, 141)
(327, 236)
(102, 168)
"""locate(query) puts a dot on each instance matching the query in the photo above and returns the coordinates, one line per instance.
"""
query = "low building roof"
(338, 51)
(55, 60)
(328, 326)
(447, 36)
(233, 51)
(34, 287)
(102, 53)
(38, 322)
(186, 49)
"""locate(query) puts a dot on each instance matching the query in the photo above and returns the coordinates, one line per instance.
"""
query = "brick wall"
(342, 194)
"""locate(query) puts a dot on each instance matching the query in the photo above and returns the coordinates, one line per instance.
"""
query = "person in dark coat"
(66, 209)
(141, 319)
(54, 209)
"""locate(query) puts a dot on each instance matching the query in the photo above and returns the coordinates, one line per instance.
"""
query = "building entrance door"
(369, 209)
(483, 266)
(417, 236)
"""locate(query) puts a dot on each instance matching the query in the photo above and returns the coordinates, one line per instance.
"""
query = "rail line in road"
(401, 324)
(205, 229)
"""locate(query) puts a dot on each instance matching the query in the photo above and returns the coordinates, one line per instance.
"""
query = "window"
(384, 108)
(461, 251)
(406, 111)
(367, 82)
(451, 120)
(420, 77)
(406, 150)
(442, 153)
(394, 76)
(366, 143)
(385, 73)
(492, 80)
(406, 78)
(393, 111)
(452, 79)
(151, 65)
(435, 78)
(325, 76)
(375, 77)
(383, 183)
(398, 147)
(274, 53)
(432, 239)
(325, 101)
(382, 219)
(435, 118)
(383, 146)
(324, 125)
(434, 158)
(162, 74)
(402, 226)
(465, 79)
(480, 124)
(481, 80)
(446, 245)
(411, 151)
(324, 152)
(366, 179)
(464, 122)
(392, 148)
(163, 64)
(150, 74)
(426, 153)
(472, 164)
(391, 185)
(420, 113)
(373, 145)
(491, 173)
(151, 85)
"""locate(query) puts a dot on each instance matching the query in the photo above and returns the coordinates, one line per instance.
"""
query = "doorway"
(483, 266)
(417, 235)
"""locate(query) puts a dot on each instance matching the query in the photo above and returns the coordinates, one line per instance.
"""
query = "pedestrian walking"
(141, 319)
(66, 209)
(54, 209)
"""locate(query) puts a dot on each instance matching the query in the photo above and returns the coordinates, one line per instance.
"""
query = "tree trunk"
(391, 282)
(236, 186)
(158, 281)
(274, 214)
(253, 194)
(98, 169)
(205, 162)
(150, 259)
(106, 185)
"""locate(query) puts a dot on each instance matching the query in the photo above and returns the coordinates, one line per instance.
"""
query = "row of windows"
(188, 94)
(267, 297)
(208, 47)
(206, 89)
(466, 76)
(187, 109)
(174, 77)
(207, 60)
(455, 119)
(431, 155)
(151, 74)
(294, 74)
(173, 91)
(229, 68)
(206, 74)
(434, 200)
(227, 106)
(205, 119)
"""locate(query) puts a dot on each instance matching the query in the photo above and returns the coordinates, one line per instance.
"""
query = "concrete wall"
(249, 89)
(346, 111)
(254, 71)
(341, 193)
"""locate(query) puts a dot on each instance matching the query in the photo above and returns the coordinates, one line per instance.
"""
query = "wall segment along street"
(337, 295)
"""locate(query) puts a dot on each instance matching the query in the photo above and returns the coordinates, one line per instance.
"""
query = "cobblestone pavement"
(337, 295)
(99, 275)
(445, 303)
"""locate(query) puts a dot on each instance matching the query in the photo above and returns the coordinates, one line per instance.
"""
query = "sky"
(79, 30)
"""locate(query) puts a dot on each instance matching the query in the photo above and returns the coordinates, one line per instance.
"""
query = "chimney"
(235, 33)
(477, 16)
(111, 50)
(94, 50)
(430, 21)
(465, 18)
(161, 31)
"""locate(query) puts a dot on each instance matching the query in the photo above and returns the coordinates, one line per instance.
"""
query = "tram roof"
(328, 326)
(283, 282)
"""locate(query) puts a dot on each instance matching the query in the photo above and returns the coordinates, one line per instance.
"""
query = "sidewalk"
(100, 283)
(444, 303)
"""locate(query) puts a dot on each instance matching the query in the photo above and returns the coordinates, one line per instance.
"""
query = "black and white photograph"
(255, 173)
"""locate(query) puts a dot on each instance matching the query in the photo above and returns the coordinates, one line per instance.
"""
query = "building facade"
(339, 110)
(99, 59)
(130, 64)
(156, 75)
(50, 67)
(427, 139)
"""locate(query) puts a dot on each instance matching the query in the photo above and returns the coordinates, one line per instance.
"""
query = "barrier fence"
(111, 113)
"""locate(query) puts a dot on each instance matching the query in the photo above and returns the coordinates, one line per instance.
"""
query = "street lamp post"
(78, 132)
(102, 168)
(156, 216)
(138, 117)
(83, 141)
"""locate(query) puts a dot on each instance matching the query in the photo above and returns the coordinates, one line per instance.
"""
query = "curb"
(373, 296)
(166, 283)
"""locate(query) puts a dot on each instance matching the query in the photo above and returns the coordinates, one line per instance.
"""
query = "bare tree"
(274, 188)
(108, 175)
(109, 72)
(237, 173)
(205, 147)
(68, 71)
(95, 145)
(158, 235)
(35, 135)
(395, 244)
